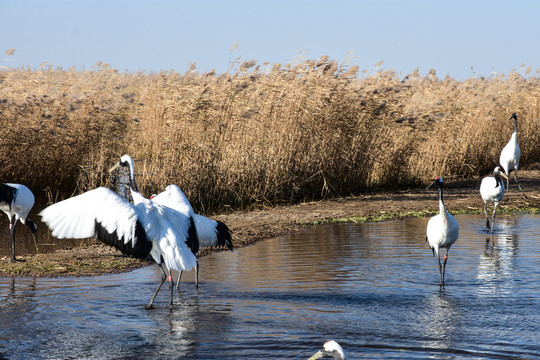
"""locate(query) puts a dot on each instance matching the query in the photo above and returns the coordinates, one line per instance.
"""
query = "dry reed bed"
(261, 134)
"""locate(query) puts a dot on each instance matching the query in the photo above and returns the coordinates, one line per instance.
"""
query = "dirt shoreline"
(251, 227)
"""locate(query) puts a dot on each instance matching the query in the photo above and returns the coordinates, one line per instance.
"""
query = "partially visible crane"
(331, 349)
(16, 201)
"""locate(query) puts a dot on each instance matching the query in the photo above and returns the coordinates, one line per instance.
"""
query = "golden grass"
(261, 134)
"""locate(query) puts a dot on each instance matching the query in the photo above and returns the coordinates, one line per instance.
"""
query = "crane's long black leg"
(12, 231)
(493, 217)
(519, 186)
(197, 275)
(507, 185)
(178, 281)
(440, 270)
(171, 289)
(32, 226)
(163, 278)
(444, 267)
(35, 243)
(485, 212)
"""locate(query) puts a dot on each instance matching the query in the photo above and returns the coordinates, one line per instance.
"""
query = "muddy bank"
(250, 227)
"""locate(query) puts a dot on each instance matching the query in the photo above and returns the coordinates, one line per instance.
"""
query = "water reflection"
(17, 292)
(441, 320)
(496, 262)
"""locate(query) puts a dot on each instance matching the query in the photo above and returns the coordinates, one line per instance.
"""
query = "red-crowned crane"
(330, 349)
(492, 190)
(509, 158)
(16, 201)
(442, 230)
(211, 233)
(137, 229)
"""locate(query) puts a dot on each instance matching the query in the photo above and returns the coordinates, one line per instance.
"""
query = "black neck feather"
(441, 193)
(132, 183)
(498, 181)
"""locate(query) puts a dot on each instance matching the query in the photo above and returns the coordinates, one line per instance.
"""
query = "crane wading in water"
(442, 230)
(139, 229)
(16, 201)
(492, 189)
(509, 158)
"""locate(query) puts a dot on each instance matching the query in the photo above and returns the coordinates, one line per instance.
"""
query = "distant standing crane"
(16, 201)
(442, 230)
(492, 189)
(509, 158)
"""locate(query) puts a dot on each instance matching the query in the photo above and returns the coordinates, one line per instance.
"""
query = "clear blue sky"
(450, 36)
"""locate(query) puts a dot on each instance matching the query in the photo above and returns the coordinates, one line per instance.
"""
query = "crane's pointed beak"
(116, 166)
(431, 185)
(504, 175)
(319, 354)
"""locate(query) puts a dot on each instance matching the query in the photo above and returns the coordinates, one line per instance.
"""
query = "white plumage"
(331, 349)
(16, 201)
(137, 229)
(442, 230)
(207, 229)
(510, 156)
(210, 233)
(492, 190)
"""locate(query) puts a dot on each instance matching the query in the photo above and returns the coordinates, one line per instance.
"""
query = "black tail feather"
(224, 237)
(192, 240)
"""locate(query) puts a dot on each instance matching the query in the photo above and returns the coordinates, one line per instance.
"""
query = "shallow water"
(372, 287)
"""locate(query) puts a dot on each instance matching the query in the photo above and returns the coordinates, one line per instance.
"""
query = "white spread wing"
(75, 217)
(174, 198)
